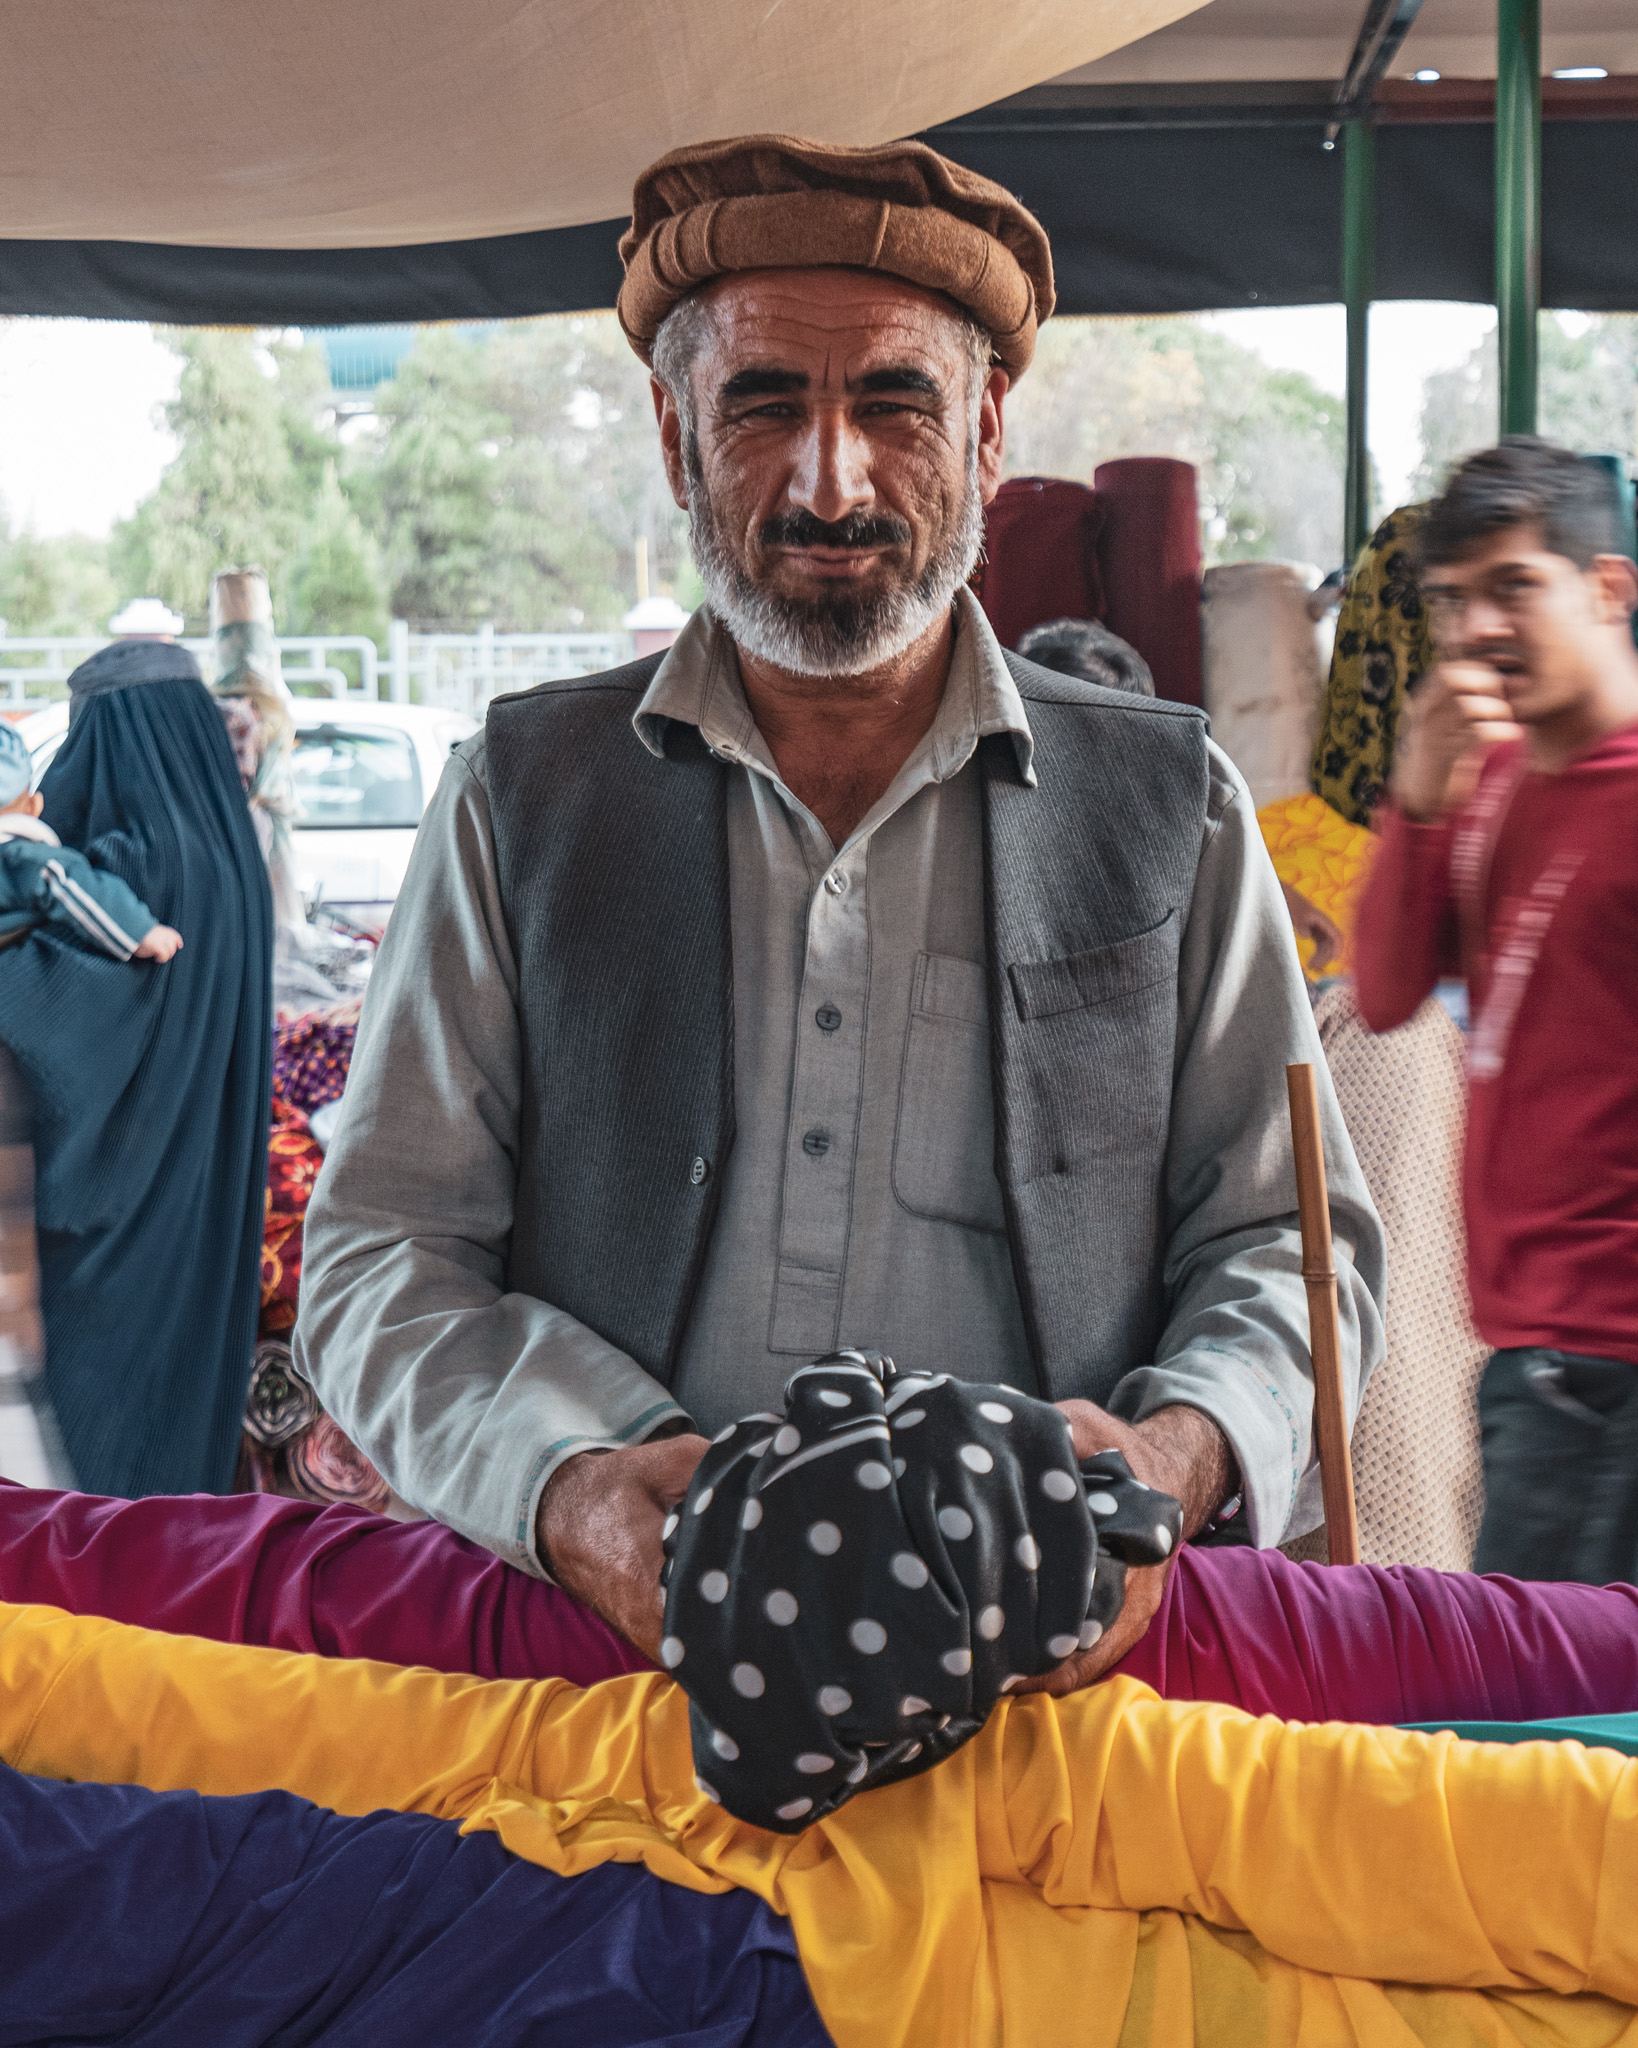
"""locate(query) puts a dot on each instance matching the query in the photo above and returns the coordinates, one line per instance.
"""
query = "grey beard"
(845, 633)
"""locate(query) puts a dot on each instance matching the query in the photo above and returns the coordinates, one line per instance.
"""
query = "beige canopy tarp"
(331, 124)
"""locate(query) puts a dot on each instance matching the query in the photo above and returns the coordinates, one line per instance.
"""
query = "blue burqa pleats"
(137, 1919)
(151, 1087)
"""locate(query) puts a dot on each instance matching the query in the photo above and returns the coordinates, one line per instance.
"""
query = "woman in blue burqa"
(150, 1085)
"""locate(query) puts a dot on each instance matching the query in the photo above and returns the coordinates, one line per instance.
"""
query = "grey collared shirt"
(859, 1201)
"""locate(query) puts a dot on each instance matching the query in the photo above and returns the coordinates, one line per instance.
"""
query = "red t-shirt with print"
(1531, 893)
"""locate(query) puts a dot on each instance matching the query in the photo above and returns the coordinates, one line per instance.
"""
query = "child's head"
(16, 773)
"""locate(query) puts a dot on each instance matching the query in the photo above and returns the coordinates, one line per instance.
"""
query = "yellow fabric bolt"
(1317, 852)
(982, 1902)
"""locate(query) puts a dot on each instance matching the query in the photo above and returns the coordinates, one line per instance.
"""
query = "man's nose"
(832, 474)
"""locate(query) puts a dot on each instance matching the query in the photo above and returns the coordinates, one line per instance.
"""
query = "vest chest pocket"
(1094, 1056)
(944, 1140)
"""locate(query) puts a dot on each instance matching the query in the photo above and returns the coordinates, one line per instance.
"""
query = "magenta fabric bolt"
(1306, 1642)
(251, 1568)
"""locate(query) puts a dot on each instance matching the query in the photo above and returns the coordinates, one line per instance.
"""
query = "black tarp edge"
(1145, 220)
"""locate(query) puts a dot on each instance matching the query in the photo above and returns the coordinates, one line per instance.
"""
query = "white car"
(363, 774)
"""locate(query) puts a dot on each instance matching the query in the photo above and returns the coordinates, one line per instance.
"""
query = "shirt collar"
(698, 684)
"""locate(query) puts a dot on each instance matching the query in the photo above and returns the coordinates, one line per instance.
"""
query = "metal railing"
(462, 671)
(458, 671)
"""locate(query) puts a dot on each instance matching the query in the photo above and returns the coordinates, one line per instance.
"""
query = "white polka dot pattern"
(930, 1540)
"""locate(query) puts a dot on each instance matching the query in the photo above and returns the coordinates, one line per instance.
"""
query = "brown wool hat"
(775, 202)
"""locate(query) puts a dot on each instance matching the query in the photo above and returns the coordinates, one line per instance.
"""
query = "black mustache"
(799, 529)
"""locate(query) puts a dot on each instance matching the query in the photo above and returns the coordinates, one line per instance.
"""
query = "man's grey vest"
(613, 872)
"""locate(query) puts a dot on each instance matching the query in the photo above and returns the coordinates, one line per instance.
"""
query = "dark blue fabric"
(151, 1088)
(164, 1920)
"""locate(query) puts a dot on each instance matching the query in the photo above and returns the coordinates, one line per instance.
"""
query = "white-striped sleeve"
(88, 913)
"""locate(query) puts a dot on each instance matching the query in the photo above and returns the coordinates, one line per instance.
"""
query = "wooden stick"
(1319, 1277)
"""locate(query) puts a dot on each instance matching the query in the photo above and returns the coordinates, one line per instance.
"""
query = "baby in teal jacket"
(44, 882)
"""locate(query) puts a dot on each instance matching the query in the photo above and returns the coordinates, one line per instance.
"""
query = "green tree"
(250, 458)
(511, 475)
(1587, 395)
(334, 582)
(58, 584)
(1267, 445)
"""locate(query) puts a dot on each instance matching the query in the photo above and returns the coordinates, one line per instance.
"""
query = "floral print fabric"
(1382, 648)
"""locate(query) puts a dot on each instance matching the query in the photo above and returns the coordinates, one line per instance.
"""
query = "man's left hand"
(1179, 1451)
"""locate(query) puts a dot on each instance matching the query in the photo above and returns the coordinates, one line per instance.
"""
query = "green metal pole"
(1358, 283)
(1518, 207)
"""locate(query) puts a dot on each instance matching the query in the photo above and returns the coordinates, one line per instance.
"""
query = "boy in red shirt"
(1509, 855)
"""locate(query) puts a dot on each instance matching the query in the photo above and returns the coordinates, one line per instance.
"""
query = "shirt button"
(828, 1017)
(700, 1172)
(816, 1143)
(836, 882)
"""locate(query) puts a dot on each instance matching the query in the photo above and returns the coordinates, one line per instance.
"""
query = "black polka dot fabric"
(852, 1585)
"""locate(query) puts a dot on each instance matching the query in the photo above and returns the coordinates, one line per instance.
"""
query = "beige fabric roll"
(777, 202)
(1417, 1474)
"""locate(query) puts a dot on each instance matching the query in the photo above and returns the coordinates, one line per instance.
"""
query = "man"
(1510, 854)
(835, 978)
(1086, 648)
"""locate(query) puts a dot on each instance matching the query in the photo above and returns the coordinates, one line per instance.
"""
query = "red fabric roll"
(1305, 1642)
(1149, 556)
(1040, 556)
(250, 1568)
(1313, 1642)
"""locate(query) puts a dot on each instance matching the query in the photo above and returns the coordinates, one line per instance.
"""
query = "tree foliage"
(513, 475)
(334, 583)
(1587, 394)
(54, 585)
(1267, 444)
(247, 465)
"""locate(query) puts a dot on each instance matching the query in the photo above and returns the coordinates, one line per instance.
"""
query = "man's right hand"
(599, 1523)
(1451, 722)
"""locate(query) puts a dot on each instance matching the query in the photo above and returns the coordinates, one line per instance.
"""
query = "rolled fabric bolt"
(939, 1543)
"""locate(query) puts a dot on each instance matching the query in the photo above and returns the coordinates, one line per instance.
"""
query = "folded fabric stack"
(1112, 1866)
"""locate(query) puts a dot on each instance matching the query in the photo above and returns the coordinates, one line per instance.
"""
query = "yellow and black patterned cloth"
(1382, 648)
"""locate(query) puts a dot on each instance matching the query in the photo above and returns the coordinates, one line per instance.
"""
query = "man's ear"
(1616, 583)
(992, 435)
(671, 441)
